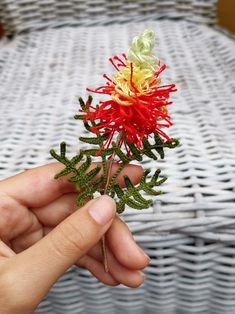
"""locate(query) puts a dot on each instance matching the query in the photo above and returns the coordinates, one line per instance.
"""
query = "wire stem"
(103, 240)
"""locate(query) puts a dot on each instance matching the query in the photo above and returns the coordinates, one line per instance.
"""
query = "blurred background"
(226, 15)
(189, 233)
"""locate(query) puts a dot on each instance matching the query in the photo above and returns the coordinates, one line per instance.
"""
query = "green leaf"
(139, 198)
(135, 152)
(87, 126)
(147, 189)
(147, 149)
(89, 99)
(106, 152)
(120, 154)
(97, 186)
(82, 104)
(91, 174)
(81, 170)
(160, 152)
(155, 176)
(146, 173)
(63, 149)
(82, 198)
(160, 182)
(62, 173)
(90, 140)
(91, 152)
(118, 190)
(78, 116)
(128, 182)
(120, 206)
(94, 140)
(174, 143)
(86, 181)
(76, 159)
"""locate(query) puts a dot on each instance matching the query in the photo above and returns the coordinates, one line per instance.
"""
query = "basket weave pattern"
(24, 15)
(189, 232)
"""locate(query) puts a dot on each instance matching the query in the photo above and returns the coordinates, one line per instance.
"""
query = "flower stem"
(103, 244)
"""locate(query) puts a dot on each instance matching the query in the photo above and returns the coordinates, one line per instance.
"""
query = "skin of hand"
(43, 233)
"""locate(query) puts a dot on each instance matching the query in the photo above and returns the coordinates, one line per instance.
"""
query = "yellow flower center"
(138, 77)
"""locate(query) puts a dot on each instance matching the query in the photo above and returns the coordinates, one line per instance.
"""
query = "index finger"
(37, 187)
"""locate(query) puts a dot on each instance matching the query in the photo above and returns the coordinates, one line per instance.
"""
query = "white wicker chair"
(61, 47)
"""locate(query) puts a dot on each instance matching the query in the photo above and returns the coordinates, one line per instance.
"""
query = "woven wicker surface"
(190, 231)
(20, 15)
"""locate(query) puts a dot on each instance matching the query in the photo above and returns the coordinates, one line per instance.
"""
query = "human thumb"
(38, 267)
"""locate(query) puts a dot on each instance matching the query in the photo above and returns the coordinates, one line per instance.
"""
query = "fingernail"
(143, 253)
(148, 258)
(102, 210)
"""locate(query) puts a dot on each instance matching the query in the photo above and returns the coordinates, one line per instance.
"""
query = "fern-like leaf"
(88, 182)
(132, 195)
(85, 182)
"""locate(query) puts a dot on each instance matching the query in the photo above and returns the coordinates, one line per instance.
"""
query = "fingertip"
(97, 270)
(136, 280)
(142, 261)
(124, 247)
(102, 209)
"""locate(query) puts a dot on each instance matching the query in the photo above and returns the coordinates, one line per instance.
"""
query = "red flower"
(137, 105)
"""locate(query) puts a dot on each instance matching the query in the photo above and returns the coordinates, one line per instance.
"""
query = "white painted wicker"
(21, 15)
(190, 231)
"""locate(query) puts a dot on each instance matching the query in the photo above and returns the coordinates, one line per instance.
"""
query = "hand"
(43, 233)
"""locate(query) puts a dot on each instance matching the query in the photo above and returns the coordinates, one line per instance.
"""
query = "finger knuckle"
(9, 214)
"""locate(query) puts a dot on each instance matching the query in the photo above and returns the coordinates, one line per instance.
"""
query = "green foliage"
(131, 195)
(81, 176)
(89, 180)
